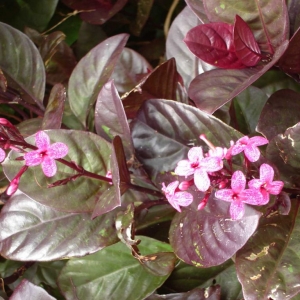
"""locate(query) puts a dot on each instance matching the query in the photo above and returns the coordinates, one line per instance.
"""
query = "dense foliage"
(143, 160)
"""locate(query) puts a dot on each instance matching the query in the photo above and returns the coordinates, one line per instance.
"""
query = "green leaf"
(34, 232)
(268, 266)
(87, 150)
(91, 73)
(22, 65)
(111, 272)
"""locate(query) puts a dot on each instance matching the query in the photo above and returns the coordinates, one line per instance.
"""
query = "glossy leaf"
(161, 83)
(246, 47)
(188, 65)
(282, 111)
(290, 60)
(96, 12)
(110, 117)
(130, 66)
(27, 290)
(91, 73)
(214, 44)
(198, 8)
(55, 108)
(268, 265)
(215, 88)
(164, 131)
(22, 64)
(111, 272)
(85, 149)
(267, 20)
(217, 237)
(31, 231)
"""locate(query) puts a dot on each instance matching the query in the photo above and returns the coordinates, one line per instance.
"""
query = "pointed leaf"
(246, 47)
(111, 270)
(27, 290)
(22, 64)
(198, 8)
(32, 231)
(86, 149)
(110, 117)
(281, 111)
(188, 65)
(161, 83)
(267, 19)
(164, 131)
(217, 237)
(214, 44)
(55, 108)
(268, 265)
(293, 10)
(215, 88)
(91, 73)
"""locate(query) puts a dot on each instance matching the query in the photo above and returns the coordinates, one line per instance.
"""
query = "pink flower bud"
(13, 186)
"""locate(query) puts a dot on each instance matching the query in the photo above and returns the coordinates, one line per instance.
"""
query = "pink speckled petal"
(266, 173)
(237, 210)
(2, 155)
(201, 180)
(238, 181)
(58, 150)
(183, 198)
(42, 140)
(49, 166)
(225, 194)
(258, 141)
(33, 158)
(252, 196)
(195, 154)
(252, 153)
(184, 168)
(212, 164)
(275, 187)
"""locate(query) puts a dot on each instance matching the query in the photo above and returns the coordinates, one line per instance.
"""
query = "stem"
(169, 16)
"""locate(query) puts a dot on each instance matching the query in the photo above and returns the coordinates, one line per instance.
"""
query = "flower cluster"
(213, 171)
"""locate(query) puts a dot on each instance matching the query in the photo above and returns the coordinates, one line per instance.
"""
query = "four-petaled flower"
(45, 154)
(238, 195)
(265, 184)
(176, 197)
(249, 146)
(199, 166)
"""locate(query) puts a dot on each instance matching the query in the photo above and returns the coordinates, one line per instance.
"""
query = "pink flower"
(238, 195)
(199, 166)
(175, 197)
(265, 184)
(2, 155)
(249, 146)
(45, 154)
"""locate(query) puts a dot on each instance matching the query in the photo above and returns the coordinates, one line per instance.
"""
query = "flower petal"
(252, 196)
(49, 166)
(195, 154)
(57, 150)
(211, 164)
(266, 173)
(275, 187)
(184, 168)
(42, 140)
(238, 181)
(170, 189)
(255, 184)
(258, 141)
(225, 194)
(33, 158)
(2, 155)
(237, 210)
(201, 180)
(252, 153)
(183, 198)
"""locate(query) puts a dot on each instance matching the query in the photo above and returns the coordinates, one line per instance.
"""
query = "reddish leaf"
(214, 44)
(246, 47)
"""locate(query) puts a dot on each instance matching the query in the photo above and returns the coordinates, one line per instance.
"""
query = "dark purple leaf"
(268, 20)
(290, 60)
(198, 9)
(187, 63)
(268, 266)
(27, 290)
(284, 201)
(110, 117)
(55, 108)
(214, 44)
(32, 231)
(96, 11)
(129, 69)
(215, 88)
(246, 47)
(91, 73)
(3, 82)
(281, 111)
(210, 293)
(294, 11)
(209, 237)
(164, 130)
(161, 83)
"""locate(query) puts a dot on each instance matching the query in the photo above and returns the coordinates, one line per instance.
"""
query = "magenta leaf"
(27, 290)
(246, 47)
(216, 238)
(214, 44)
(268, 265)
(268, 20)
(229, 83)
